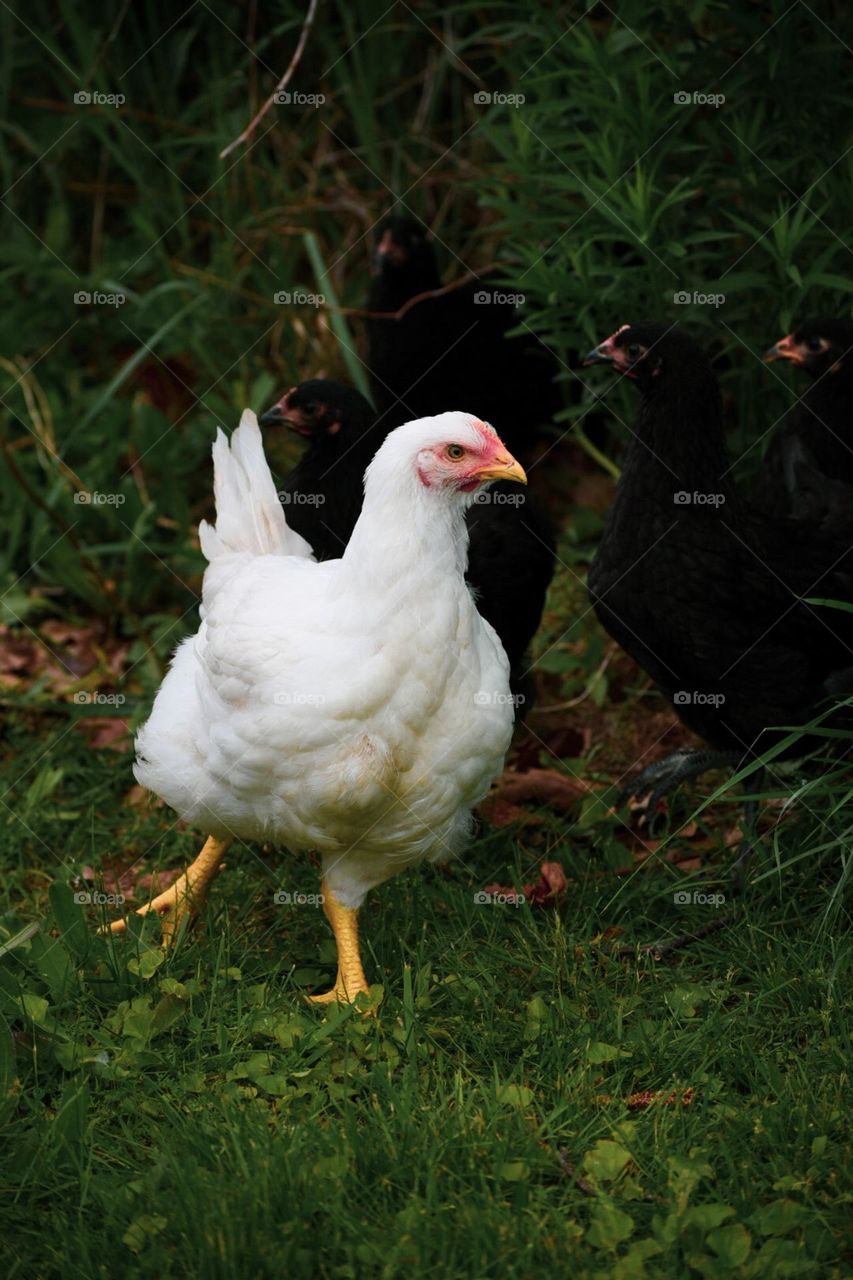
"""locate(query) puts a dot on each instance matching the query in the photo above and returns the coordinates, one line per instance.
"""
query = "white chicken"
(359, 708)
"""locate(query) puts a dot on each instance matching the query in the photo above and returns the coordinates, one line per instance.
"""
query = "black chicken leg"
(751, 809)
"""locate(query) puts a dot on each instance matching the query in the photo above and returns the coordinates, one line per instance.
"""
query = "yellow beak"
(504, 467)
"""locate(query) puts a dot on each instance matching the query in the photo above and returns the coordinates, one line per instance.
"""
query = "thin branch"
(418, 297)
(285, 79)
(658, 949)
(590, 685)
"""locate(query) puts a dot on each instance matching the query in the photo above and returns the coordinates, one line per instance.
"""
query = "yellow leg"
(350, 980)
(187, 895)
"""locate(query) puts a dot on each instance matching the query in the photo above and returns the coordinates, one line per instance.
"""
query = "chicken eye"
(309, 406)
(633, 350)
(455, 451)
(814, 344)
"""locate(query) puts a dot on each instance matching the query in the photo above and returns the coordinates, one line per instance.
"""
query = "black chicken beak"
(597, 356)
(272, 417)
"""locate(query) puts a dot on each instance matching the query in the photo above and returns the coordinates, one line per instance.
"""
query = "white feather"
(249, 516)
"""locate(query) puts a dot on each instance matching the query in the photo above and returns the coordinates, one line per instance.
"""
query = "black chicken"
(511, 543)
(322, 495)
(808, 468)
(706, 595)
(450, 348)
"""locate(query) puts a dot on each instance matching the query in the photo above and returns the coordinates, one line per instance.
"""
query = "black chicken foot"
(664, 775)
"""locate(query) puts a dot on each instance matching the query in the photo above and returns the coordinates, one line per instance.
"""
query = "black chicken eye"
(309, 406)
(455, 451)
(633, 350)
(814, 344)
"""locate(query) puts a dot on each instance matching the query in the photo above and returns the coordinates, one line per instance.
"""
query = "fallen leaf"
(106, 731)
(548, 786)
(17, 652)
(687, 864)
(137, 796)
(500, 813)
(549, 888)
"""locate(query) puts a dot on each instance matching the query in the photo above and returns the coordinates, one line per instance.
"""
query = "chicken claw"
(183, 899)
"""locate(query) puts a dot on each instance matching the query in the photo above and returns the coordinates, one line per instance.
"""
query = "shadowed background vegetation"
(188, 1107)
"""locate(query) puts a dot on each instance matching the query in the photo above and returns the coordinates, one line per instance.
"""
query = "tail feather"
(249, 516)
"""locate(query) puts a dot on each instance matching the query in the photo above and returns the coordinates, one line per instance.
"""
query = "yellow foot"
(184, 899)
(350, 981)
(342, 992)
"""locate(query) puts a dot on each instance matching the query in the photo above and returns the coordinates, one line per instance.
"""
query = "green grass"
(190, 1113)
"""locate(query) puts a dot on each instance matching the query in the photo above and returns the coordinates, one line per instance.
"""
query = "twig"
(285, 79)
(419, 297)
(590, 685)
(658, 949)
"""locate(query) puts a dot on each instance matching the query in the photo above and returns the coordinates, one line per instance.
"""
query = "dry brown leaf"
(687, 864)
(557, 790)
(498, 812)
(548, 890)
(137, 797)
(103, 731)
